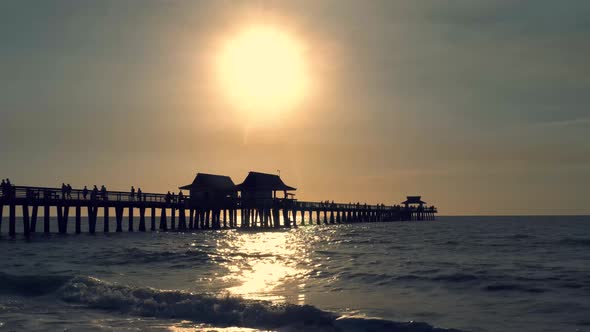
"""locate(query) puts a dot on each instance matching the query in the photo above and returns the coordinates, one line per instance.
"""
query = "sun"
(262, 70)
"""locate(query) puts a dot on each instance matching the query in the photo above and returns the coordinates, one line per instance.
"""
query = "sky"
(481, 107)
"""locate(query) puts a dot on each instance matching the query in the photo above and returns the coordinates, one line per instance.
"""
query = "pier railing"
(52, 194)
(47, 193)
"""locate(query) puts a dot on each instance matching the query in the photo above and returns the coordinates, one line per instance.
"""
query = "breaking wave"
(202, 308)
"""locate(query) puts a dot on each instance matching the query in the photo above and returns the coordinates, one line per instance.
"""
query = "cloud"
(564, 123)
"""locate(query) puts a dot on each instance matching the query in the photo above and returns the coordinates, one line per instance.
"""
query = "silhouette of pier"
(214, 202)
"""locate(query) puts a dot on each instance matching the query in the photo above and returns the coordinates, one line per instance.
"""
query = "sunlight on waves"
(265, 267)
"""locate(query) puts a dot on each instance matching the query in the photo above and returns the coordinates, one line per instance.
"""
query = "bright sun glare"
(262, 69)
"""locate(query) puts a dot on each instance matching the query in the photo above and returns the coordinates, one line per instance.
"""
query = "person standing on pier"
(85, 192)
(9, 189)
(138, 194)
(180, 196)
(103, 191)
(69, 190)
(132, 194)
(94, 194)
(64, 190)
(168, 197)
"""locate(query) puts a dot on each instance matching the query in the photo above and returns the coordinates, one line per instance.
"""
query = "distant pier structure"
(261, 201)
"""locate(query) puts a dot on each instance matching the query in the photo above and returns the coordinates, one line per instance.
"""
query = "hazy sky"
(482, 107)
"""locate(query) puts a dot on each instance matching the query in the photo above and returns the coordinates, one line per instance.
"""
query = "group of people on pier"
(66, 191)
(140, 195)
(102, 193)
(172, 198)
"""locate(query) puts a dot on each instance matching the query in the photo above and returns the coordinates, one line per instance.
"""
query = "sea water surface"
(463, 273)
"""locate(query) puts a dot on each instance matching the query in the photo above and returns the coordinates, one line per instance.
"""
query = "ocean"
(456, 273)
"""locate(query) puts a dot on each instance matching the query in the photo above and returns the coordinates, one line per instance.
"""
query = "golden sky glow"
(351, 100)
(262, 70)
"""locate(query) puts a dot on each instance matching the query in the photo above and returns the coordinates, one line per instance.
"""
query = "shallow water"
(466, 273)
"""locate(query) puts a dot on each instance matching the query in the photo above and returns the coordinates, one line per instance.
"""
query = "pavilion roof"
(211, 182)
(263, 181)
(414, 200)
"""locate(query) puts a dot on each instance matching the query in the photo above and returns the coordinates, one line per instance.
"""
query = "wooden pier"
(214, 203)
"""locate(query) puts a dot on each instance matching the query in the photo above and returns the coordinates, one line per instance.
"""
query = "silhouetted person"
(180, 196)
(173, 197)
(139, 194)
(64, 190)
(103, 191)
(168, 197)
(132, 193)
(69, 190)
(85, 192)
(94, 194)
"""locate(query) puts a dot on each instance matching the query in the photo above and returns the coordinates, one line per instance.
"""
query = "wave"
(513, 287)
(142, 256)
(575, 241)
(455, 277)
(30, 285)
(219, 311)
(383, 278)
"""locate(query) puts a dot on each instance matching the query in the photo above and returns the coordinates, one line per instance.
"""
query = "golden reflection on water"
(186, 326)
(267, 266)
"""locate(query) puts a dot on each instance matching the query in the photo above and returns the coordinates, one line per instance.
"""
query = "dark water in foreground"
(466, 273)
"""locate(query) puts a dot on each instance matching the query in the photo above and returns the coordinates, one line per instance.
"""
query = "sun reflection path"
(267, 266)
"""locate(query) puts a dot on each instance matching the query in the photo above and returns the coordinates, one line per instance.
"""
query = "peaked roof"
(211, 182)
(413, 200)
(263, 181)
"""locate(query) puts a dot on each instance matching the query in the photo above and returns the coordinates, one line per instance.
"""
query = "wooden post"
(106, 225)
(33, 218)
(196, 220)
(119, 217)
(182, 219)
(277, 217)
(46, 216)
(130, 228)
(207, 216)
(264, 217)
(12, 219)
(142, 218)
(331, 216)
(26, 221)
(217, 216)
(224, 218)
(1, 212)
(78, 219)
(91, 218)
(65, 218)
(173, 218)
(153, 228)
(163, 222)
(59, 219)
(191, 219)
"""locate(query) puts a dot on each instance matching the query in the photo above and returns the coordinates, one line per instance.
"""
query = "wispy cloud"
(564, 123)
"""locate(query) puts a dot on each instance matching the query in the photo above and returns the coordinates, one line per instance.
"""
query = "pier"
(214, 202)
